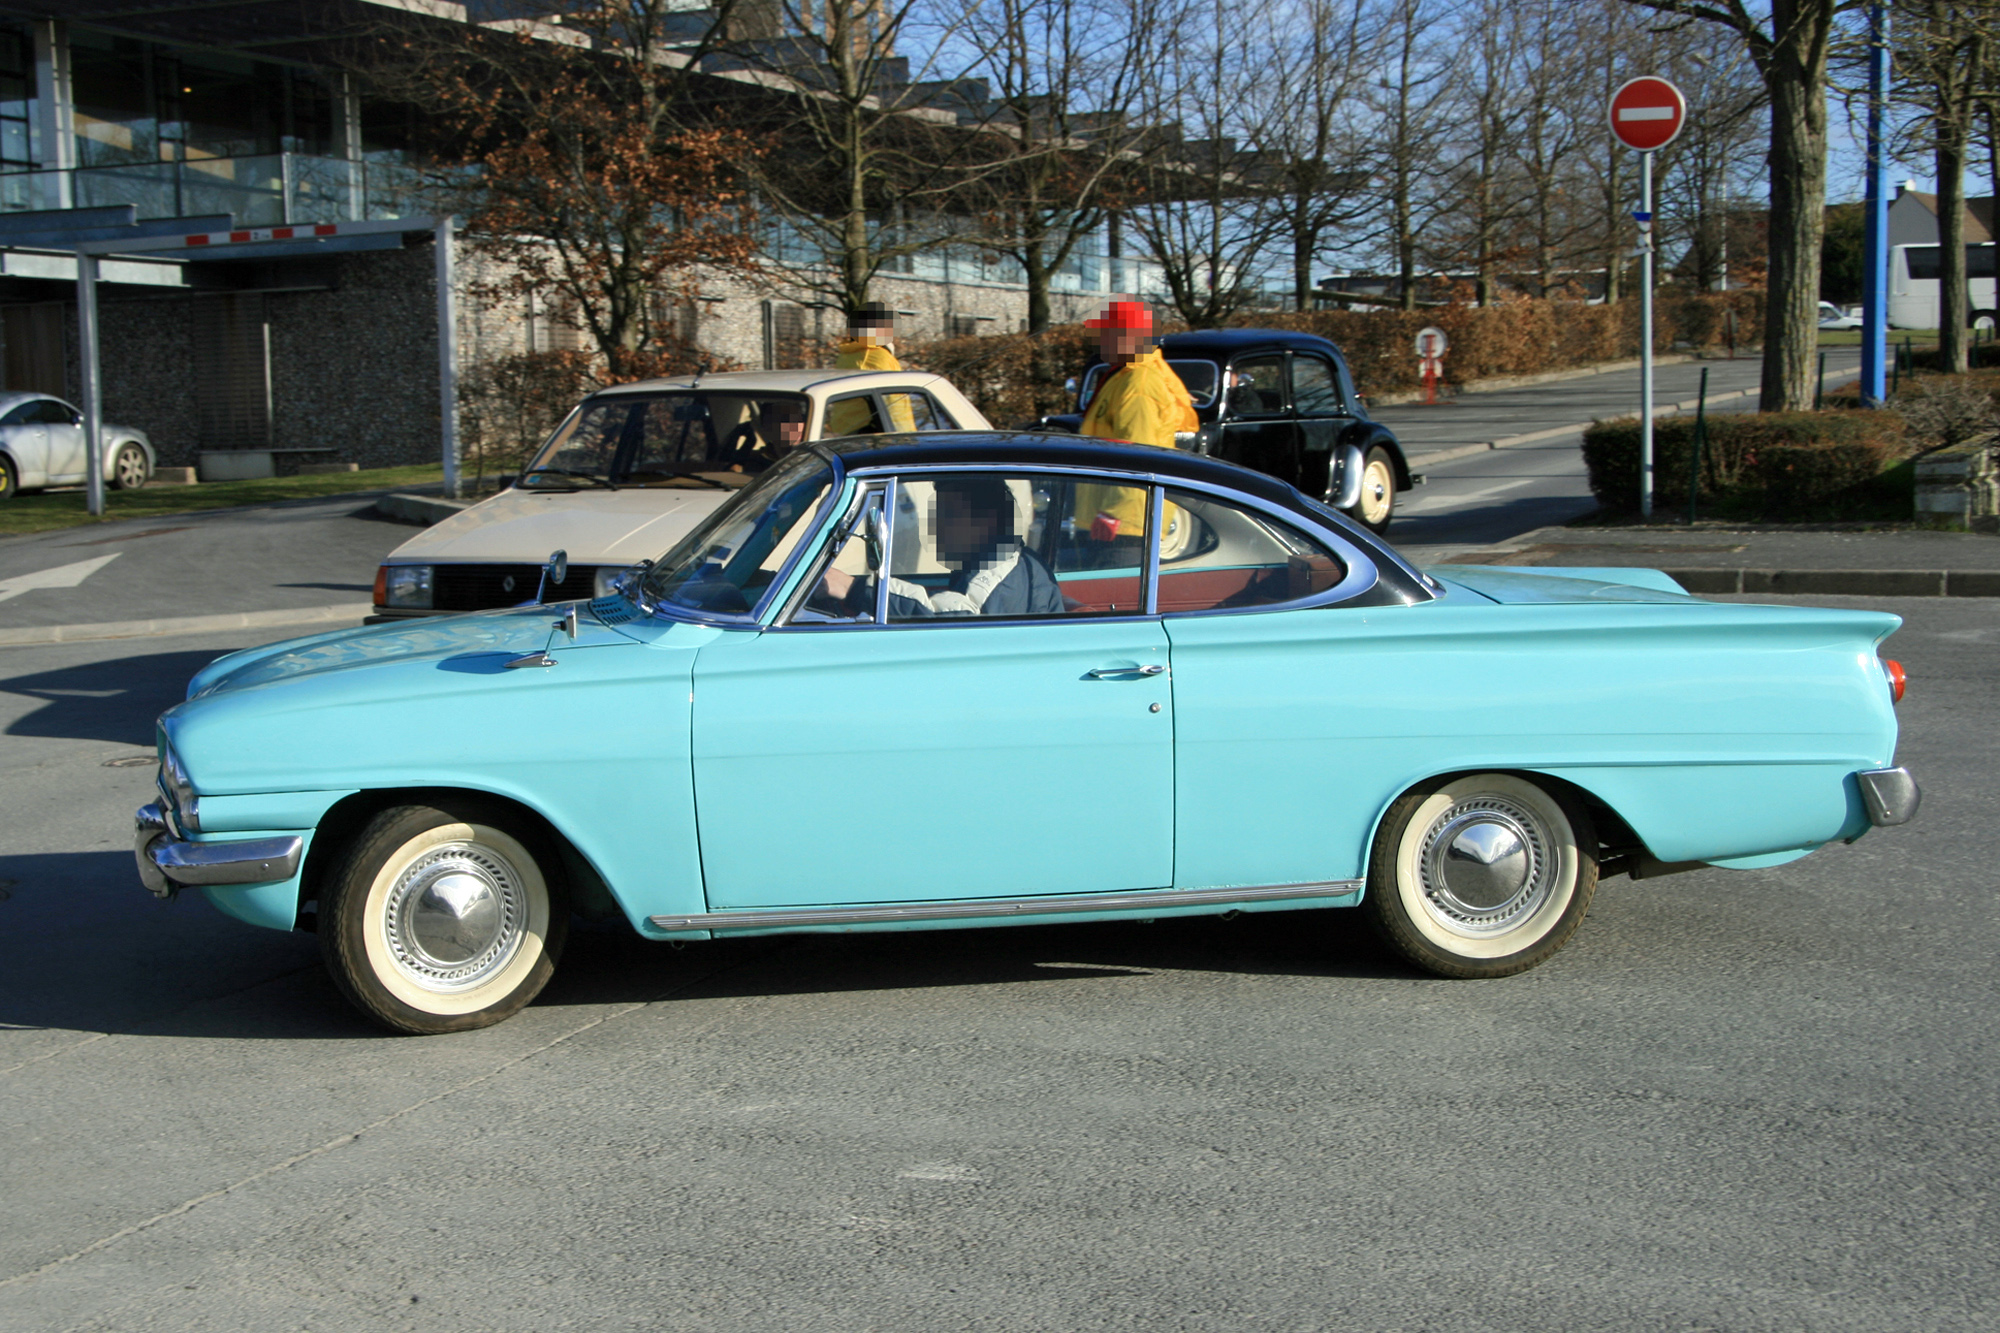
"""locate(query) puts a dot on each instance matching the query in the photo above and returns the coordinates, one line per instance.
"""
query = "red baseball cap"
(1122, 315)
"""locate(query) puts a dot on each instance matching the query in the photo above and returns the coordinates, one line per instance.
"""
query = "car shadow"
(114, 700)
(182, 969)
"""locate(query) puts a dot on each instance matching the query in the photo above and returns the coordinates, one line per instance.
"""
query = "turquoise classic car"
(905, 682)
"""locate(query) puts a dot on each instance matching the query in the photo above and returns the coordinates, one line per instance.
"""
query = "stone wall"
(1960, 488)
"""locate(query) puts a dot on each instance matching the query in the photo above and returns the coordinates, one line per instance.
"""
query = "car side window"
(52, 413)
(1315, 388)
(1217, 556)
(992, 545)
(853, 415)
(925, 414)
(1257, 387)
(24, 415)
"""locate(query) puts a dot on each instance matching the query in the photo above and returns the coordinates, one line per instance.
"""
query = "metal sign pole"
(1645, 335)
(447, 358)
(93, 394)
(1875, 255)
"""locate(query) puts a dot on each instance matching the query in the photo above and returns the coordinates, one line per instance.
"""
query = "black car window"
(1315, 388)
(1257, 387)
(50, 412)
(20, 416)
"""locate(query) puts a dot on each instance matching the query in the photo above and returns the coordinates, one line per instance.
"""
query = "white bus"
(1913, 285)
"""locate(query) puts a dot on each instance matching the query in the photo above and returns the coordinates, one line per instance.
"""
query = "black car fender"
(1365, 435)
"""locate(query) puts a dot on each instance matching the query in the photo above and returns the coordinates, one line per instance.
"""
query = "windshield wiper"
(679, 472)
(591, 477)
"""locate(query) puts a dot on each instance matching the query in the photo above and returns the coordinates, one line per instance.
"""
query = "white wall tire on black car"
(442, 921)
(1482, 875)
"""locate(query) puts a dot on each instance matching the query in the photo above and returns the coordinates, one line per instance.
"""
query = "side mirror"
(1069, 386)
(557, 569)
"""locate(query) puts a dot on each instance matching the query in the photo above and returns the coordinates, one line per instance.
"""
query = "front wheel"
(10, 481)
(443, 920)
(128, 468)
(1483, 875)
(1378, 491)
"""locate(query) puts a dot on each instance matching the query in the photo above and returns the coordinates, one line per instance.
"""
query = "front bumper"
(169, 863)
(1890, 795)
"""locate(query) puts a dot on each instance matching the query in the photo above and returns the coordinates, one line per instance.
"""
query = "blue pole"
(1875, 258)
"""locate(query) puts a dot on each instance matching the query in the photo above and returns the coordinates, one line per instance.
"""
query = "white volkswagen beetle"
(41, 444)
(634, 468)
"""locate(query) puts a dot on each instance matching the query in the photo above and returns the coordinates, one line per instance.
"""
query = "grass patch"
(1852, 337)
(48, 510)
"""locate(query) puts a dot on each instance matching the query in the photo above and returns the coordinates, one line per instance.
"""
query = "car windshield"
(725, 566)
(692, 438)
(1198, 376)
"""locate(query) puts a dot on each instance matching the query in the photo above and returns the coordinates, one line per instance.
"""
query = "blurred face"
(1120, 346)
(872, 333)
(782, 424)
(964, 529)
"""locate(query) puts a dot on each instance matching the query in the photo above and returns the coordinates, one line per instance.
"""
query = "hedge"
(1779, 466)
(1019, 376)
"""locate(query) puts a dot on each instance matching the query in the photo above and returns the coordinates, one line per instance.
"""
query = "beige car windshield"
(688, 438)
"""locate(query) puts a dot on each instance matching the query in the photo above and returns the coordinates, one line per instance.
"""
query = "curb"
(139, 629)
(422, 510)
(1665, 410)
(1502, 383)
(1836, 582)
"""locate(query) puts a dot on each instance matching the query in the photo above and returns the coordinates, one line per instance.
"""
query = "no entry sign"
(1646, 113)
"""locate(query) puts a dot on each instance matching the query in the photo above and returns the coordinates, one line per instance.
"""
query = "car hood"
(596, 527)
(1518, 586)
(480, 642)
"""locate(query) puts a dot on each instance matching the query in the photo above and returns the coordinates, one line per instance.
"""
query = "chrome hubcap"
(455, 917)
(1487, 865)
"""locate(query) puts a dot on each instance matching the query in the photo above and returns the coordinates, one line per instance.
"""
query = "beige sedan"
(633, 469)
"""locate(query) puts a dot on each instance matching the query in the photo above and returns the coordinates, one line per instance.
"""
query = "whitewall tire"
(1481, 875)
(443, 920)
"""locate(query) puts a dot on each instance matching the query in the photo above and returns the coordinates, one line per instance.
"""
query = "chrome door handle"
(1106, 673)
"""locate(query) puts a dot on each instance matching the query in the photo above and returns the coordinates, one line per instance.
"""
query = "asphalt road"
(1738, 1101)
(1502, 493)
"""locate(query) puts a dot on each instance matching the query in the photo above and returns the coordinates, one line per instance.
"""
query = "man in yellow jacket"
(1141, 400)
(871, 329)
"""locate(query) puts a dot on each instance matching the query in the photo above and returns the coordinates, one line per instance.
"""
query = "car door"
(27, 442)
(882, 743)
(67, 460)
(1257, 429)
(1322, 413)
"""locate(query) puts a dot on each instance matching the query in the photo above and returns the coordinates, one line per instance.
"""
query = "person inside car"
(780, 428)
(994, 574)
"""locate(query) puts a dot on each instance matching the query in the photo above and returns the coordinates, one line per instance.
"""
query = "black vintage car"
(1282, 403)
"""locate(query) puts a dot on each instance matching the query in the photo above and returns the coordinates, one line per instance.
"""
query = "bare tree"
(570, 135)
(1411, 94)
(1478, 227)
(1204, 212)
(1313, 153)
(1060, 138)
(1790, 46)
(1942, 59)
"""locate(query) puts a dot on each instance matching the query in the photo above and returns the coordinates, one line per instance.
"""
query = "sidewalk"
(1477, 420)
(1754, 559)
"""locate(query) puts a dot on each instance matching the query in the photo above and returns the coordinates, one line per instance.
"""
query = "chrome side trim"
(768, 918)
(1891, 795)
(167, 863)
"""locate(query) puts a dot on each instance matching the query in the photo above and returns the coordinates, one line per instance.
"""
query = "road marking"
(1421, 505)
(143, 629)
(62, 576)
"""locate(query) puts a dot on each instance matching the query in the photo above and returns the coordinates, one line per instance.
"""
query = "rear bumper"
(168, 863)
(1890, 795)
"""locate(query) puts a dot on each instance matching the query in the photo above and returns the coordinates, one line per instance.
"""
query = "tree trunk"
(1798, 227)
(1034, 264)
(1953, 311)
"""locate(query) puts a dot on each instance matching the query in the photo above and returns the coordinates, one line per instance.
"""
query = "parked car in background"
(1832, 316)
(905, 681)
(633, 469)
(1284, 404)
(41, 444)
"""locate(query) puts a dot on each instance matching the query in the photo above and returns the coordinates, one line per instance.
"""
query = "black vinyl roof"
(1059, 449)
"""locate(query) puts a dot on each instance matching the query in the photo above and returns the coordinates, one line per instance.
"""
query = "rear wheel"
(1378, 491)
(1483, 875)
(441, 920)
(128, 468)
(10, 481)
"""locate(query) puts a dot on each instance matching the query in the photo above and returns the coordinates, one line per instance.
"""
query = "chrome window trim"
(1156, 515)
(794, 600)
(770, 918)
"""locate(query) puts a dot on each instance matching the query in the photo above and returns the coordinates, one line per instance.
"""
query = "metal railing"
(272, 189)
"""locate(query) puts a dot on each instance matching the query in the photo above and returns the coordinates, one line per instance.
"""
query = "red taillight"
(1897, 680)
(382, 594)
